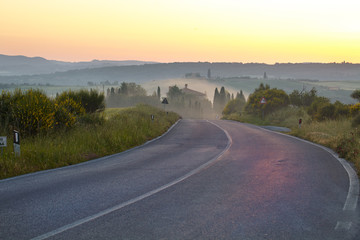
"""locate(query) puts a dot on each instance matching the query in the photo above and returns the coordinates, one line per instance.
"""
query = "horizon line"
(157, 62)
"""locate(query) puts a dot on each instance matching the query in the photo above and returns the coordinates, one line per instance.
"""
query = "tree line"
(130, 94)
(319, 108)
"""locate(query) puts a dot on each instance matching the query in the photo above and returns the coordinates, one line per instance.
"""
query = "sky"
(182, 30)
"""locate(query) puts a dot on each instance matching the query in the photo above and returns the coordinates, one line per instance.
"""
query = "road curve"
(202, 180)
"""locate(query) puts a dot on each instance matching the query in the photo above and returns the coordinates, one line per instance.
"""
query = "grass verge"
(123, 129)
(338, 135)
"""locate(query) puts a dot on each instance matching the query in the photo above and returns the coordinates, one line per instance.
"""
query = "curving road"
(202, 180)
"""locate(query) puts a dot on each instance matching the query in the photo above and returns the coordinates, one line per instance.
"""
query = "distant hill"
(159, 71)
(22, 65)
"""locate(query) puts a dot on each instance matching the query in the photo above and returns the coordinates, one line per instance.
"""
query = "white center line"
(139, 198)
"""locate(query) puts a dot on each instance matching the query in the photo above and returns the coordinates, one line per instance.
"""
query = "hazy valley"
(335, 81)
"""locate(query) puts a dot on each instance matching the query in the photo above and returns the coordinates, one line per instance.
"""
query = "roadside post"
(263, 101)
(152, 117)
(17, 143)
(3, 143)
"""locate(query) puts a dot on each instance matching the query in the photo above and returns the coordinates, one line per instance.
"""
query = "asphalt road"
(202, 180)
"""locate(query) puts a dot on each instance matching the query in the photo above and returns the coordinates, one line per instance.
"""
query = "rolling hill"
(157, 71)
(22, 65)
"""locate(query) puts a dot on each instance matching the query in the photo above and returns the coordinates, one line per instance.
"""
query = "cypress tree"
(228, 97)
(158, 92)
(222, 97)
(216, 99)
(240, 95)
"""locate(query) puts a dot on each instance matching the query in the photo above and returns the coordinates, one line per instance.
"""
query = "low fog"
(200, 85)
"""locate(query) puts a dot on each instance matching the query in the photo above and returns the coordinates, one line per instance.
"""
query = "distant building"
(194, 93)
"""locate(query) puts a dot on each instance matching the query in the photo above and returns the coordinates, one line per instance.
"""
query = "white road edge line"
(343, 225)
(353, 192)
(141, 197)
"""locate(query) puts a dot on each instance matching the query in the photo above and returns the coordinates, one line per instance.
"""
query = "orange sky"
(186, 30)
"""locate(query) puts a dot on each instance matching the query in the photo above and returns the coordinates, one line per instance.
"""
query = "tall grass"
(326, 133)
(338, 135)
(126, 129)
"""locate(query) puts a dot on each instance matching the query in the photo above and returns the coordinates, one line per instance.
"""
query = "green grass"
(326, 133)
(124, 129)
(288, 117)
(110, 112)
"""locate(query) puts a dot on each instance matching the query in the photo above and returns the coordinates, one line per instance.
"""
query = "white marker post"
(263, 101)
(3, 143)
(17, 143)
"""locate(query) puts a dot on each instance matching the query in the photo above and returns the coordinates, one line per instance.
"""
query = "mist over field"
(200, 85)
(16, 69)
(333, 80)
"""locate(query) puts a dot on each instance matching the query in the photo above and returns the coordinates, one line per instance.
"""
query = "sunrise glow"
(187, 30)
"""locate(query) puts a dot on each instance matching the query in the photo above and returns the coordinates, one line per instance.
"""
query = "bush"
(67, 112)
(356, 95)
(320, 109)
(275, 100)
(32, 111)
(327, 111)
(6, 116)
(355, 109)
(341, 110)
(92, 101)
(302, 98)
(234, 106)
(348, 146)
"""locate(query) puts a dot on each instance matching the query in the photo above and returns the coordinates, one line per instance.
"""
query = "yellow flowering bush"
(32, 111)
(67, 112)
(355, 109)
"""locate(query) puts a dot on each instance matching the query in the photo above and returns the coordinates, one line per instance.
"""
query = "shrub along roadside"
(130, 128)
(32, 112)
